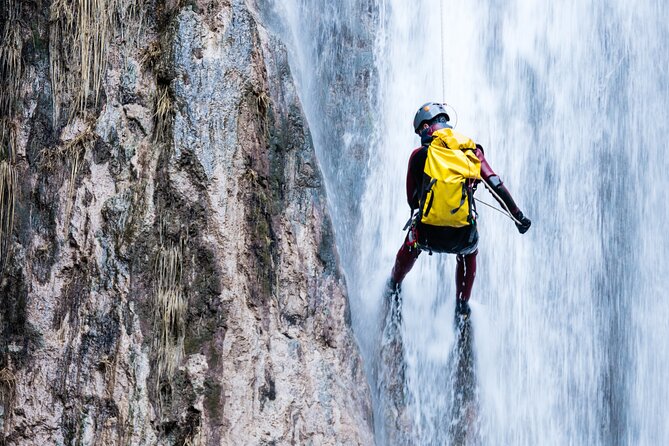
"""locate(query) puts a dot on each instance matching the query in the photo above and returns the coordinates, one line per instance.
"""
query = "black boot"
(393, 301)
(392, 290)
(462, 312)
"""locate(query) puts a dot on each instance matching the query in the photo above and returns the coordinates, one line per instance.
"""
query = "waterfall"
(570, 102)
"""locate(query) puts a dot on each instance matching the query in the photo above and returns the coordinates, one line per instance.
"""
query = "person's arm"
(415, 176)
(494, 184)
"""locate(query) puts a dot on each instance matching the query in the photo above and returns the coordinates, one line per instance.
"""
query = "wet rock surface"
(171, 275)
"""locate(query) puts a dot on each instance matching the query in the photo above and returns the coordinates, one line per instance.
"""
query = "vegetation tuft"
(7, 392)
(80, 31)
(11, 65)
(8, 180)
(164, 113)
(151, 54)
(11, 70)
(169, 309)
(72, 153)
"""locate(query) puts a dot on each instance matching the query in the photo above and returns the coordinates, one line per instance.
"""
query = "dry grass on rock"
(169, 310)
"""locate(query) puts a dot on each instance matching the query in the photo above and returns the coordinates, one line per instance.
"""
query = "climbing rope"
(495, 208)
(506, 210)
(443, 52)
(443, 95)
(443, 63)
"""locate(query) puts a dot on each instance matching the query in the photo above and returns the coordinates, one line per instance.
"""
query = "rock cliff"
(169, 274)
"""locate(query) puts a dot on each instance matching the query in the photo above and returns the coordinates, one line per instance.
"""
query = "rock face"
(169, 273)
(333, 58)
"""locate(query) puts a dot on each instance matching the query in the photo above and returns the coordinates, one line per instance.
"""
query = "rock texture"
(333, 58)
(169, 273)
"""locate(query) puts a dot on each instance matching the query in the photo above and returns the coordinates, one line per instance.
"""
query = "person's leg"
(392, 303)
(404, 261)
(465, 272)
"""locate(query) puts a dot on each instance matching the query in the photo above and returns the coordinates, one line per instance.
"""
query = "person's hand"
(523, 223)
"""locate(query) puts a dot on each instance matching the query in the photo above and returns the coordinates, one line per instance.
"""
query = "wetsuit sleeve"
(415, 176)
(494, 184)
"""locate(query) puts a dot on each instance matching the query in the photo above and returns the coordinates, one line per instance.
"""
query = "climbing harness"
(412, 236)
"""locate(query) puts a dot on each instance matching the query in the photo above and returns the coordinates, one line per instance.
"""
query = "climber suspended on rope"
(441, 180)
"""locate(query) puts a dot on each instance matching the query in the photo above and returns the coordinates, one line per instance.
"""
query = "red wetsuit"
(461, 241)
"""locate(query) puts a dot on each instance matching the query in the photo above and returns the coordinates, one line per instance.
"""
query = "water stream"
(571, 103)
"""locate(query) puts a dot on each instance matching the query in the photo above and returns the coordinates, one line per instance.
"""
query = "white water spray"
(570, 102)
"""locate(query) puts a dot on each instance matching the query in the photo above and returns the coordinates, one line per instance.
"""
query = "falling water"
(571, 103)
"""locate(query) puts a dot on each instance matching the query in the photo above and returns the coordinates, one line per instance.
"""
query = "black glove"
(523, 223)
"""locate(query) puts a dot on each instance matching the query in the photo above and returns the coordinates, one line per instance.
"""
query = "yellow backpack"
(447, 196)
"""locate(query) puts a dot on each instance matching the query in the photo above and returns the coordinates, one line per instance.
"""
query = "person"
(461, 240)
